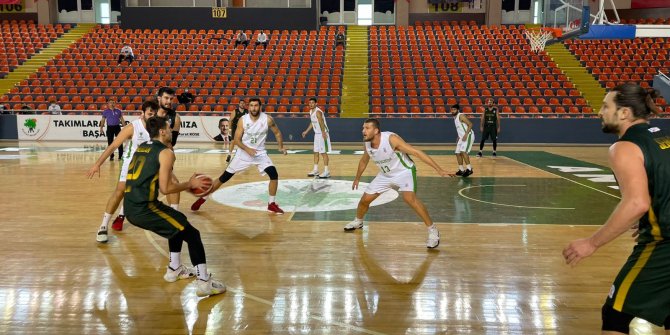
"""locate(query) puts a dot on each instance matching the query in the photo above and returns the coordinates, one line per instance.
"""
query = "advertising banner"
(87, 128)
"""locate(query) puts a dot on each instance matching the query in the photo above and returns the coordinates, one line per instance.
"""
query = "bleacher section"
(295, 66)
(421, 70)
(613, 62)
(20, 40)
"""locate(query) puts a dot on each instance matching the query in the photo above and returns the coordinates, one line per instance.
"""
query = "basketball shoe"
(433, 238)
(353, 225)
(274, 208)
(196, 205)
(468, 172)
(209, 287)
(313, 173)
(182, 272)
(102, 235)
(118, 223)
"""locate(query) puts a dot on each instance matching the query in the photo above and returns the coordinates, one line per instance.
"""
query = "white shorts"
(320, 145)
(124, 170)
(465, 146)
(404, 181)
(242, 161)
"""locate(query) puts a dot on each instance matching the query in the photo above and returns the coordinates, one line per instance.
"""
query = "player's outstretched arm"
(627, 164)
(126, 133)
(277, 132)
(397, 143)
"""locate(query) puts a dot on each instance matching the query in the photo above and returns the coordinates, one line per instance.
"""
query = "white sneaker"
(353, 225)
(182, 272)
(313, 173)
(209, 287)
(324, 175)
(102, 235)
(433, 238)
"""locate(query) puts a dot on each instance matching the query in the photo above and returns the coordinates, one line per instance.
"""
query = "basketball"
(200, 191)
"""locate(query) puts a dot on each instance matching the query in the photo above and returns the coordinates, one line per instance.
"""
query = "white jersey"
(313, 117)
(140, 135)
(256, 132)
(388, 160)
(461, 127)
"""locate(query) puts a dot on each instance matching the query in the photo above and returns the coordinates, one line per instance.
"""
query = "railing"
(221, 3)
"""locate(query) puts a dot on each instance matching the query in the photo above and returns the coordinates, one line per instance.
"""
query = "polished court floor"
(498, 269)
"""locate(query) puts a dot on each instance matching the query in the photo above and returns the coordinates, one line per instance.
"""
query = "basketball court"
(498, 268)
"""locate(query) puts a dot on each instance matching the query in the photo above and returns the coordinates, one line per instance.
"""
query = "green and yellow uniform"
(642, 287)
(140, 200)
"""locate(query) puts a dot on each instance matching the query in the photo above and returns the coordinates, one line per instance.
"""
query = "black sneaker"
(479, 154)
(494, 154)
(459, 173)
(467, 172)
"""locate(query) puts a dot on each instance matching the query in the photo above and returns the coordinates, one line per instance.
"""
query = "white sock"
(201, 270)
(175, 206)
(271, 199)
(121, 210)
(105, 220)
(460, 168)
(431, 227)
(469, 167)
(316, 167)
(358, 220)
(175, 260)
(325, 169)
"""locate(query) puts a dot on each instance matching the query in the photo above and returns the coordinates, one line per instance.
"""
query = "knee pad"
(616, 321)
(272, 172)
(225, 177)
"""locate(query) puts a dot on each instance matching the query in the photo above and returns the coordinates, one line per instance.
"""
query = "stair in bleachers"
(592, 91)
(40, 59)
(355, 80)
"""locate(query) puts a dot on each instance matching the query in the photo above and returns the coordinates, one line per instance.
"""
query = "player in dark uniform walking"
(150, 171)
(489, 126)
(240, 111)
(640, 160)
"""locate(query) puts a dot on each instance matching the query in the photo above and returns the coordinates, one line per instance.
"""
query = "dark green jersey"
(490, 116)
(655, 146)
(142, 181)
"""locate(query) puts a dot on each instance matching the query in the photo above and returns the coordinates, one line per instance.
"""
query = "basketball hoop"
(538, 37)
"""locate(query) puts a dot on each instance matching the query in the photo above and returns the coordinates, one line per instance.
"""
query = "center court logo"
(299, 195)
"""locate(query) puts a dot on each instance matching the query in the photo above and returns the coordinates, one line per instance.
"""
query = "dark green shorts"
(490, 132)
(642, 287)
(156, 217)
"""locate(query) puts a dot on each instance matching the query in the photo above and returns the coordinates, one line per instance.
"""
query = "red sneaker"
(118, 223)
(196, 205)
(274, 208)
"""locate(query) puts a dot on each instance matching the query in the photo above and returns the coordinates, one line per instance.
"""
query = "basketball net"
(538, 38)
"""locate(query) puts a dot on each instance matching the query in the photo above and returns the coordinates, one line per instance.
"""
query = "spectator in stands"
(186, 98)
(54, 108)
(262, 38)
(241, 39)
(126, 54)
(340, 39)
(224, 128)
(113, 117)
(25, 109)
(4, 109)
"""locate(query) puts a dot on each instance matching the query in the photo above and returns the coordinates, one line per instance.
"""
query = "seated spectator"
(186, 98)
(225, 135)
(340, 39)
(126, 54)
(25, 109)
(54, 108)
(4, 109)
(262, 38)
(241, 39)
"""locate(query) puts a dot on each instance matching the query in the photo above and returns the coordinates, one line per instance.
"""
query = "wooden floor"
(495, 271)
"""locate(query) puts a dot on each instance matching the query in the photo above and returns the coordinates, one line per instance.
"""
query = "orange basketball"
(200, 191)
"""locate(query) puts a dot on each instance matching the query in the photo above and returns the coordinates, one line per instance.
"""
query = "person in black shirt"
(640, 161)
